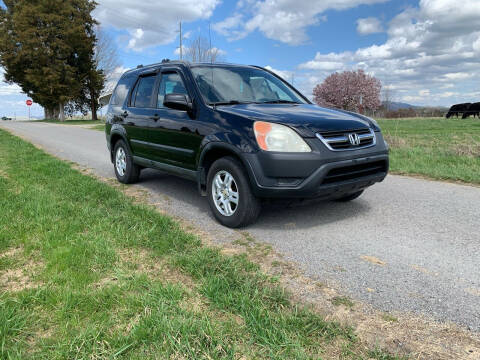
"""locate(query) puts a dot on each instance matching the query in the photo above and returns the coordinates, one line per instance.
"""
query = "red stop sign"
(29, 102)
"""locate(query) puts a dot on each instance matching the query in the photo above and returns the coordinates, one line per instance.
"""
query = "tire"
(350, 197)
(247, 208)
(126, 171)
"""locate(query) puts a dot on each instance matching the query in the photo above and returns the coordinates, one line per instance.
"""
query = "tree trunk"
(49, 113)
(93, 104)
(61, 112)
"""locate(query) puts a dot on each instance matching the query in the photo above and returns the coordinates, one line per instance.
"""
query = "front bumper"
(319, 174)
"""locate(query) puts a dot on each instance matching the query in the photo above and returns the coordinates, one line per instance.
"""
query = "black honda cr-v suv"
(242, 134)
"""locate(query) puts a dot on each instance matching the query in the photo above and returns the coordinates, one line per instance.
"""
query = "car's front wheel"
(229, 195)
(126, 171)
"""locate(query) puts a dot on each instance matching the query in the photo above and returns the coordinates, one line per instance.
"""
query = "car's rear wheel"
(229, 194)
(126, 171)
(350, 197)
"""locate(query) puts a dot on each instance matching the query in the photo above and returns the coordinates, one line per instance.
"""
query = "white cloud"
(230, 27)
(219, 52)
(457, 76)
(436, 43)
(447, 94)
(151, 23)
(284, 74)
(447, 86)
(177, 50)
(322, 65)
(282, 20)
(8, 89)
(370, 25)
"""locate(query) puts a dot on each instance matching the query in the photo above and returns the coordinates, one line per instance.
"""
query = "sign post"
(29, 103)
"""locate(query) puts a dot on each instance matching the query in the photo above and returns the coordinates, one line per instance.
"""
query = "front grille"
(354, 172)
(341, 140)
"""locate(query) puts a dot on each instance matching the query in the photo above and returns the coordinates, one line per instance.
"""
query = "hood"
(307, 119)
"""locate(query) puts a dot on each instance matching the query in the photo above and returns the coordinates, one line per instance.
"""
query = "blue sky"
(426, 52)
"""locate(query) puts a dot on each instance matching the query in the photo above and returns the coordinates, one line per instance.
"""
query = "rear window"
(121, 91)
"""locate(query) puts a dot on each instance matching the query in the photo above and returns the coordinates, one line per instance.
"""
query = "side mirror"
(177, 102)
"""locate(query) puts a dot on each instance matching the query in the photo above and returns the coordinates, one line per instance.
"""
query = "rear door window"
(121, 90)
(142, 96)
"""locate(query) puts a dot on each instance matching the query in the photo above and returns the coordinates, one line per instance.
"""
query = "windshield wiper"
(231, 102)
(280, 102)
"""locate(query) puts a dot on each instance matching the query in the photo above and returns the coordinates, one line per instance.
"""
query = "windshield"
(238, 85)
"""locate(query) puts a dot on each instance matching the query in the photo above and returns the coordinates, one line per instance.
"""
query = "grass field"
(439, 148)
(86, 273)
(73, 122)
(100, 127)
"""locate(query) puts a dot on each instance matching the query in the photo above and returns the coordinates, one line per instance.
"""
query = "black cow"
(458, 109)
(474, 109)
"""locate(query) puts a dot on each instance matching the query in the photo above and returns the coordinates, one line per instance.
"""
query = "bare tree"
(199, 50)
(106, 60)
(106, 53)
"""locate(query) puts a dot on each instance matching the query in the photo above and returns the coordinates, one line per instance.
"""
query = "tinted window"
(170, 83)
(121, 91)
(143, 92)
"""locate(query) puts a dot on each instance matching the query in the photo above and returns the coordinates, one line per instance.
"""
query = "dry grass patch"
(19, 276)
(466, 149)
(395, 141)
(141, 261)
(3, 174)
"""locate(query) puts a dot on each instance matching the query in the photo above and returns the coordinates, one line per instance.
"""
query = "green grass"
(87, 273)
(445, 149)
(72, 122)
(100, 127)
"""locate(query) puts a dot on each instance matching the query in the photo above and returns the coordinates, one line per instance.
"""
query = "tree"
(106, 53)
(349, 90)
(106, 61)
(46, 47)
(199, 50)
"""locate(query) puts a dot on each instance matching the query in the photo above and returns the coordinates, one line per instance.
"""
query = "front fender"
(228, 148)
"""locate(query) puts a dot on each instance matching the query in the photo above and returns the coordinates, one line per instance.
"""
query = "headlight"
(275, 137)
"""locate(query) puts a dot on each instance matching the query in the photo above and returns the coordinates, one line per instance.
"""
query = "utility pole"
(210, 42)
(181, 47)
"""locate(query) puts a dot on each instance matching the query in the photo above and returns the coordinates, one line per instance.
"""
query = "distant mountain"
(399, 105)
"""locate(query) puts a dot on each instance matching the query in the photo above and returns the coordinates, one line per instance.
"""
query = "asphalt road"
(406, 244)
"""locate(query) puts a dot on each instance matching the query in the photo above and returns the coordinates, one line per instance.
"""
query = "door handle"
(155, 117)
